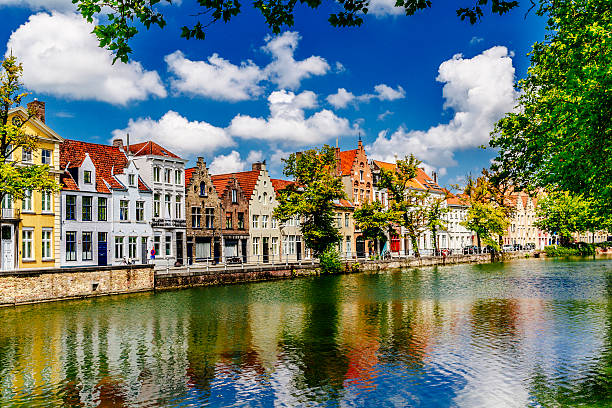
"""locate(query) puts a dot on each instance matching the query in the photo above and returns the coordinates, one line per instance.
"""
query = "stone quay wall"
(48, 284)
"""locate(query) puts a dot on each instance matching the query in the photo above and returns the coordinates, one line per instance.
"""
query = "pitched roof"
(189, 175)
(279, 184)
(346, 159)
(426, 181)
(342, 203)
(220, 182)
(384, 165)
(150, 147)
(67, 182)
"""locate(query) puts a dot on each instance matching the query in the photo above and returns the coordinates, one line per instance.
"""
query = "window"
(348, 244)
(346, 220)
(132, 247)
(45, 157)
(291, 244)
(124, 212)
(6, 201)
(87, 177)
(101, 237)
(234, 196)
(255, 221)
(156, 205)
(178, 177)
(168, 245)
(255, 245)
(46, 243)
(87, 247)
(45, 197)
(178, 212)
(118, 247)
(274, 246)
(86, 208)
(361, 175)
(71, 245)
(70, 207)
(264, 221)
(240, 220)
(156, 174)
(167, 175)
(210, 218)
(195, 217)
(26, 155)
(101, 208)
(157, 244)
(228, 220)
(26, 203)
(168, 206)
(132, 180)
(140, 210)
(202, 189)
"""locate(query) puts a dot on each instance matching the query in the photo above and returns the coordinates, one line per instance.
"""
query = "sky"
(429, 84)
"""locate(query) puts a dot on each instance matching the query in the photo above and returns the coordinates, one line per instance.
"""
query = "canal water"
(524, 333)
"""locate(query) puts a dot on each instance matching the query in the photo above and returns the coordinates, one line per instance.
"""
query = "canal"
(524, 333)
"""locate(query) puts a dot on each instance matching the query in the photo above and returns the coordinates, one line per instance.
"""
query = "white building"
(456, 236)
(164, 172)
(105, 207)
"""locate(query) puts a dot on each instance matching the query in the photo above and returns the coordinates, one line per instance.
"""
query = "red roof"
(346, 159)
(68, 182)
(384, 165)
(108, 160)
(246, 179)
(342, 203)
(150, 147)
(189, 175)
(279, 184)
(426, 181)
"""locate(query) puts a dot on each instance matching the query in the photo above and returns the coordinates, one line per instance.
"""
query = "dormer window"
(87, 176)
(132, 180)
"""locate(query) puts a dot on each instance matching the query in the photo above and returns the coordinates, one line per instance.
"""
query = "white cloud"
(341, 98)
(476, 40)
(382, 8)
(177, 134)
(288, 124)
(383, 115)
(218, 78)
(233, 163)
(284, 70)
(61, 57)
(382, 92)
(479, 90)
(37, 5)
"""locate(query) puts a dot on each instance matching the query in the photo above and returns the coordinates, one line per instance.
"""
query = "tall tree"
(124, 17)
(373, 221)
(17, 177)
(435, 218)
(407, 205)
(561, 132)
(312, 196)
(487, 220)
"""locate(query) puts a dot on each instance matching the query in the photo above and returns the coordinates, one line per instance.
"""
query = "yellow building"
(31, 227)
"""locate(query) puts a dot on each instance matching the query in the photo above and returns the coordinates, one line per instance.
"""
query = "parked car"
(530, 246)
(508, 248)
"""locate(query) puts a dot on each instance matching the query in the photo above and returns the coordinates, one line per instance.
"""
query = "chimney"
(37, 108)
(259, 165)
(118, 143)
(435, 176)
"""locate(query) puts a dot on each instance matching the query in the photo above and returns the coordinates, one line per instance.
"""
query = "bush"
(330, 262)
(579, 249)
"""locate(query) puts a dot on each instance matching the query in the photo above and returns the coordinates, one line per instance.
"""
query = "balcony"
(10, 214)
(165, 223)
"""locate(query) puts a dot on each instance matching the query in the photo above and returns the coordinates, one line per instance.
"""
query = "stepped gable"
(246, 179)
(346, 159)
(150, 148)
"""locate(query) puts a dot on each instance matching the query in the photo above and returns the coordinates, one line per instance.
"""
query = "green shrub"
(330, 262)
(578, 249)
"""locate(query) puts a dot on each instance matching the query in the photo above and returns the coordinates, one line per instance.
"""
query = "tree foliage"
(407, 206)
(561, 133)
(124, 17)
(311, 197)
(487, 220)
(373, 221)
(17, 177)
(435, 217)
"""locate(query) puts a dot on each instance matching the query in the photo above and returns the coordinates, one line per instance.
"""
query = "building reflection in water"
(465, 336)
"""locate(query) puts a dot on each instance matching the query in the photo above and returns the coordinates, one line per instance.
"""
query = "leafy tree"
(407, 206)
(561, 132)
(486, 220)
(124, 16)
(562, 213)
(435, 217)
(312, 196)
(373, 221)
(17, 177)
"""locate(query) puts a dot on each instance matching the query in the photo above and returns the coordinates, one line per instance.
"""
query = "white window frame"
(29, 241)
(46, 239)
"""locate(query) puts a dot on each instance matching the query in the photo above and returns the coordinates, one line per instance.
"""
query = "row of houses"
(140, 203)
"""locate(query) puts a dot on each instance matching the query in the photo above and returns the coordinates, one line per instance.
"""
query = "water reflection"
(531, 332)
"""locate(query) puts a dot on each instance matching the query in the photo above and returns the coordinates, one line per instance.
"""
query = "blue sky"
(427, 84)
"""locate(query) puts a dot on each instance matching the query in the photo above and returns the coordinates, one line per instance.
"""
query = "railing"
(161, 222)
(10, 214)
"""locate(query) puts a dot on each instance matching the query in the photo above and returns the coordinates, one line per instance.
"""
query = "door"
(244, 250)
(189, 253)
(360, 247)
(179, 247)
(298, 247)
(217, 251)
(266, 251)
(8, 248)
(102, 253)
(143, 250)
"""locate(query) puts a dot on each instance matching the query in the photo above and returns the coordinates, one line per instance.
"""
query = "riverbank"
(51, 284)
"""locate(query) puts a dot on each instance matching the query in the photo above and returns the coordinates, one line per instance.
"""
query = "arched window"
(202, 189)
(265, 198)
